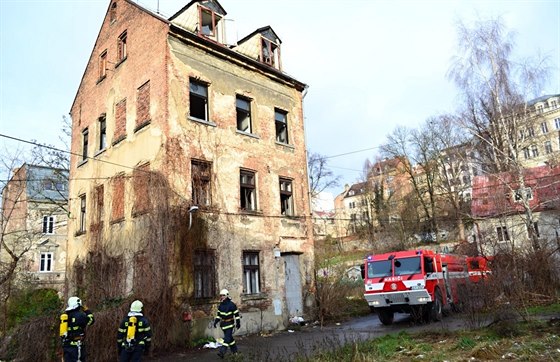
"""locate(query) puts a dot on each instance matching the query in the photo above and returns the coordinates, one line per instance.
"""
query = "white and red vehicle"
(420, 282)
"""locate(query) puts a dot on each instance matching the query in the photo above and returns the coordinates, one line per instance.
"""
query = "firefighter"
(228, 317)
(73, 323)
(134, 335)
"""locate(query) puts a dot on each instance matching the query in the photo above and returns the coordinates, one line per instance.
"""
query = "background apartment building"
(34, 225)
(189, 170)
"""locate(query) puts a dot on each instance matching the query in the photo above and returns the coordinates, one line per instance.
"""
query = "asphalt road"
(286, 346)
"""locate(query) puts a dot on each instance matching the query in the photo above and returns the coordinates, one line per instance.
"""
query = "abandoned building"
(188, 170)
(34, 224)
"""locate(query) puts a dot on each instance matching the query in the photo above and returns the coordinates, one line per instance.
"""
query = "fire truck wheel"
(385, 315)
(437, 307)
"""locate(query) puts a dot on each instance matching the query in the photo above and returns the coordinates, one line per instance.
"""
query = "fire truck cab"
(420, 282)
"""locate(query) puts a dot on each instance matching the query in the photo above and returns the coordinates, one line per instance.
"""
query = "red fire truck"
(420, 282)
(478, 267)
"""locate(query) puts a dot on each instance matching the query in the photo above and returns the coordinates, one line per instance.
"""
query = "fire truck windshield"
(406, 266)
(379, 269)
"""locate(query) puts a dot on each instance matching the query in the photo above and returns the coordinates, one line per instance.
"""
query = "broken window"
(208, 23)
(103, 65)
(269, 52)
(85, 135)
(201, 178)
(204, 274)
(247, 190)
(82, 225)
(143, 105)
(46, 264)
(198, 99)
(280, 120)
(251, 282)
(502, 233)
(121, 47)
(243, 109)
(520, 193)
(48, 224)
(102, 121)
(286, 199)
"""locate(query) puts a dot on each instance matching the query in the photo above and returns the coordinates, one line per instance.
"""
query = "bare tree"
(496, 90)
(321, 176)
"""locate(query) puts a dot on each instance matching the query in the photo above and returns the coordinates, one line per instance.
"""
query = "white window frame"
(46, 262)
(251, 272)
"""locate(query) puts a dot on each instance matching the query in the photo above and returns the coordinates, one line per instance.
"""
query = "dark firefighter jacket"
(228, 315)
(78, 319)
(143, 335)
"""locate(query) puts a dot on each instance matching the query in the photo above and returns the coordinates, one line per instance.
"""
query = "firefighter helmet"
(74, 302)
(136, 306)
(224, 292)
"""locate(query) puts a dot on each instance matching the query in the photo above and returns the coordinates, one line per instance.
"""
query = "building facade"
(189, 169)
(34, 225)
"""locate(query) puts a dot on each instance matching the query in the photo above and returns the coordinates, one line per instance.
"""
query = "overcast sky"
(370, 65)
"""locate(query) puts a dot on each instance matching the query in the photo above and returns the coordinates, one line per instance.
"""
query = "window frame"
(544, 127)
(204, 98)
(102, 139)
(286, 197)
(49, 224)
(240, 112)
(248, 190)
(122, 51)
(46, 262)
(281, 126)
(83, 214)
(251, 272)
(204, 273)
(201, 182)
(85, 144)
(502, 233)
(272, 49)
(214, 21)
(103, 65)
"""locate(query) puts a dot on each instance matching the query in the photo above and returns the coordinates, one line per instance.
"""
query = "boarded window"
(117, 212)
(141, 182)
(120, 121)
(143, 105)
(99, 212)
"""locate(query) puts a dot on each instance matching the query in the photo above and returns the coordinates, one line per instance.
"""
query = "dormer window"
(269, 52)
(208, 23)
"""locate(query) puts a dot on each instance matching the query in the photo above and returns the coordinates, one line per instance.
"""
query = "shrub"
(27, 304)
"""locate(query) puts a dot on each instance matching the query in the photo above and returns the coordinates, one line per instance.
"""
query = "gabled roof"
(265, 31)
(210, 4)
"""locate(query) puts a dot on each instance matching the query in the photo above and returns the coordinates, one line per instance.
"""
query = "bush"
(27, 304)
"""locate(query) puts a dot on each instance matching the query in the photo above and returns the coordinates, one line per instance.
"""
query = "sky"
(370, 65)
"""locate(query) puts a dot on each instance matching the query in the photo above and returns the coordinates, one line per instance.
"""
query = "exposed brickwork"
(120, 121)
(141, 182)
(117, 204)
(143, 105)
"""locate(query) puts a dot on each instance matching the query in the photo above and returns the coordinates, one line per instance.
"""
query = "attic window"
(269, 52)
(208, 23)
(113, 12)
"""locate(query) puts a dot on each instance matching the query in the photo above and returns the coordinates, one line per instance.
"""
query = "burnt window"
(286, 199)
(248, 193)
(48, 224)
(502, 233)
(102, 123)
(85, 143)
(103, 65)
(243, 110)
(82, 220)
(281, 122)
(198, 100)
(208, 21)
(121, 47)
(204, 274)
(251, 281)
(269, 52)
(201, 177)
